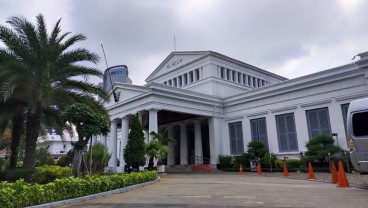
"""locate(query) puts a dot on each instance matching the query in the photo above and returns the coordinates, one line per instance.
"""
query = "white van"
(357, 128)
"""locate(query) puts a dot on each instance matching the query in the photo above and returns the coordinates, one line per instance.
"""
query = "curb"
(94, 196)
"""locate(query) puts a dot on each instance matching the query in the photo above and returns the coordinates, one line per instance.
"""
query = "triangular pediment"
(175, 61)
(124, 92)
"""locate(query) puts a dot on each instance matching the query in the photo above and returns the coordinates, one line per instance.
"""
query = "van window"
(360, 121)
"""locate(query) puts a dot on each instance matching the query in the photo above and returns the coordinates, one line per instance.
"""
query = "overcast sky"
(287, 37)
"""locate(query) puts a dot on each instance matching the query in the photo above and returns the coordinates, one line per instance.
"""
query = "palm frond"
(71, 41)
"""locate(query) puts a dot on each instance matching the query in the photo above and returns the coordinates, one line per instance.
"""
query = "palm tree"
(40, 69)
(157, 148)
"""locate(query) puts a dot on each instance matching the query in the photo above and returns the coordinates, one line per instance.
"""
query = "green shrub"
(293, 164)
(319, 147)
(3, 168)
(266, 161)
(241, 159)
(63, 162)
(13, 175)
(279, 164)
(48, 173)
(50, 161)
(21, 194)
(225, 161)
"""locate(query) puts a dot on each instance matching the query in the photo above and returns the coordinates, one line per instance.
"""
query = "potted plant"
(156, 149)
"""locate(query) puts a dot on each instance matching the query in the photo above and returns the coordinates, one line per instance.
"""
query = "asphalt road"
(232, 190)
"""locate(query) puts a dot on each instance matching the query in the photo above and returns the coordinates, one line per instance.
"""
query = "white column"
(198, 143)
(153, 124)
(171, 155)
(124, 139)
(104, 140)
(214, 126)
(183, 144)
(113, 144)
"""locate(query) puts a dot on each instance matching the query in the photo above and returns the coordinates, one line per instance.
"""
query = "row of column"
(198, 150)
(214, 134)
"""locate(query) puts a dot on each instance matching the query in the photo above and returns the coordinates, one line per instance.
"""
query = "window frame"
(256, 136)
(287, 133)
(310, 130)
(238, 139)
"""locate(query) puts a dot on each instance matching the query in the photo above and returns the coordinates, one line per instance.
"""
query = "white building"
(213, 104)
(58, 146)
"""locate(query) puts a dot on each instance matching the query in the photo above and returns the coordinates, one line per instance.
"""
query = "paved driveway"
(226, 190)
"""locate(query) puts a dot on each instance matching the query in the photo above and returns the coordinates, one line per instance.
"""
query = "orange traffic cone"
(259, 171)
(286, 172)
(310, 172)
(334, 176)
(343, 181)
(241, 169)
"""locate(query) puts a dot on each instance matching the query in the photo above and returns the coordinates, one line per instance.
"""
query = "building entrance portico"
(190, 132)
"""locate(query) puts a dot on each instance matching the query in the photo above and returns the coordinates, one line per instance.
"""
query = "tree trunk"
(16, 136)
(77, 160)
(33, 125)
(150, 163)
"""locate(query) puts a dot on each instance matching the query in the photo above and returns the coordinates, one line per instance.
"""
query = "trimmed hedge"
(48, 173)
(21, 194)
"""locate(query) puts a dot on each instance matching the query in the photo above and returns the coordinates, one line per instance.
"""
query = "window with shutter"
(259, 130)
(318, 122)
(286, 132)
(236, 138)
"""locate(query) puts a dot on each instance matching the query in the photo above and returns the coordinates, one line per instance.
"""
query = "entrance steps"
(205, 168)
(178, 168)
(192, 168)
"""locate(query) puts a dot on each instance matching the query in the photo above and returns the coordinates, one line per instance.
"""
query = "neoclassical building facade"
(213, 104)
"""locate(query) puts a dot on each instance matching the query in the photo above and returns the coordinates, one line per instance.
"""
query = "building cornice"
(319, 78)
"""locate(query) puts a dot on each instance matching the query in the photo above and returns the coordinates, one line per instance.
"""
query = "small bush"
(13, 175)
(293, 164)
(46, 174)
(279, 164)
(50, 161)
(63, 162)
(266, 161)
(241, 159)
(225, 161)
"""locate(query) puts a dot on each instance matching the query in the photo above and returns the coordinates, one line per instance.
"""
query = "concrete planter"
(161, 168)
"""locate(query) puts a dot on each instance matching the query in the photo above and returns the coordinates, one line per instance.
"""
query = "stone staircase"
(178, 168)
(205, 168)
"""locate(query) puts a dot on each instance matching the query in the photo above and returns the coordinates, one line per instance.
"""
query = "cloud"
(288, 37)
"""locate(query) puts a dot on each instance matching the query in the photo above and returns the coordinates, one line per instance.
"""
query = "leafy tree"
(38, 74)
(134, 152)
(100, 157)
(88, 123)
(319, 147)
(157, 148)
(256, 150)
(154, 149)
(11, 118)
